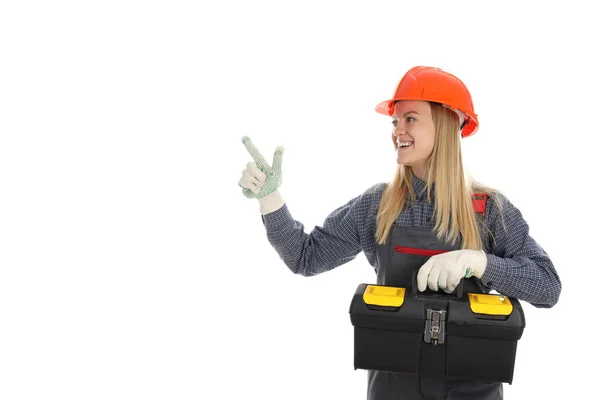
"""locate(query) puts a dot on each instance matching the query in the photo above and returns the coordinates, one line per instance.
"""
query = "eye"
(395, 122)
(410, 119)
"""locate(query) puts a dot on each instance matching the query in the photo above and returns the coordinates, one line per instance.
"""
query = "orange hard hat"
(433, 84)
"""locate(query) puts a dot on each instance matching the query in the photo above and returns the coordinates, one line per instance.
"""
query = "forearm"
(307, 254)
(531, 279)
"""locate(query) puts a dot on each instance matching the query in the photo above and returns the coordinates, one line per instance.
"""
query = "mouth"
(401, 145)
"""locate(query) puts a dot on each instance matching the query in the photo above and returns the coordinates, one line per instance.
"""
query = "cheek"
(431, 142)
(430, 137)
(425, 145)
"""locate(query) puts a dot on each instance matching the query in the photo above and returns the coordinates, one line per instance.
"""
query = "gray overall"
(405, 251)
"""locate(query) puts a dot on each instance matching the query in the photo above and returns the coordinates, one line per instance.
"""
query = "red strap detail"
(419, 252)
(479, 201)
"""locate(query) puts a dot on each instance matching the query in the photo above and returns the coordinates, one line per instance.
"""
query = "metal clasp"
(435, 326)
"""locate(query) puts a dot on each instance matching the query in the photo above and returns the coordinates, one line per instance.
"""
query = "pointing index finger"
(261, 163)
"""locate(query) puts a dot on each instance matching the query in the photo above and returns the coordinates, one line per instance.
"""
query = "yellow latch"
(490, 304)
(387, 296)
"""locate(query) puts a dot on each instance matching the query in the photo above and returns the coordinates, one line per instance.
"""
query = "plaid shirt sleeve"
(344, 234)
(517, 265)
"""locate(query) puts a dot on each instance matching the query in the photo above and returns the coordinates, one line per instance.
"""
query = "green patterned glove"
(261, 181)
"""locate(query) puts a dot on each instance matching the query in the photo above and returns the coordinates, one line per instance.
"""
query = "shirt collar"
(420, 188)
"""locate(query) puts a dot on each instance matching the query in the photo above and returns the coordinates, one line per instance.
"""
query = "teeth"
(402, 144)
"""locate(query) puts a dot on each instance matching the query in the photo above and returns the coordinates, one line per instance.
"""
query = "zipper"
(419, 252)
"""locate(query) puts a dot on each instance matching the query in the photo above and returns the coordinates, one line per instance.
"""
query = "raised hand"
(260, 180)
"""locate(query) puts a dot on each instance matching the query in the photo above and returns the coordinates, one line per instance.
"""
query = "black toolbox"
(472, 336)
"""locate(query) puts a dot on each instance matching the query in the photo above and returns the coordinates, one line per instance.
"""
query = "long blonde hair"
(455, 217)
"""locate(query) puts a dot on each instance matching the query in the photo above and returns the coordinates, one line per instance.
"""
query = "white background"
(131, 265)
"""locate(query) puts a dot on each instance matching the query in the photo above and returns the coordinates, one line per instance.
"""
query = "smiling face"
(413, 134)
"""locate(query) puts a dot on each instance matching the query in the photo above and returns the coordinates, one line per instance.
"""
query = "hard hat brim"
(387, 108)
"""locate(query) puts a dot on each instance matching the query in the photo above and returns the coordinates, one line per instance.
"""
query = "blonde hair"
(454, 215)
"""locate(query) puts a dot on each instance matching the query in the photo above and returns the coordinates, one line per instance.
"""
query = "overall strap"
(479, 202)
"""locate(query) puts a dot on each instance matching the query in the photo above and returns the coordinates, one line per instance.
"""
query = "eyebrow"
(409, 112)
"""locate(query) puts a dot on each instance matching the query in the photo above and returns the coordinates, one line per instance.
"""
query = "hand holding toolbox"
(436, 334)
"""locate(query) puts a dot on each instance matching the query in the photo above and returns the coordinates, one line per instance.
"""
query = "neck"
(420, 172)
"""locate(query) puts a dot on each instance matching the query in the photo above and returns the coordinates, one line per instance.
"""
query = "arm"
(518, 266)
(335, 243)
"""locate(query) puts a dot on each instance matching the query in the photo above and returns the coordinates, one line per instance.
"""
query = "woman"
(430, 205)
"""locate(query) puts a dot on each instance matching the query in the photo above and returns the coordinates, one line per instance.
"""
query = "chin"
(403, 162)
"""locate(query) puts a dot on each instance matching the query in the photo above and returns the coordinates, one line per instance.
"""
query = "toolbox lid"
(386, 296)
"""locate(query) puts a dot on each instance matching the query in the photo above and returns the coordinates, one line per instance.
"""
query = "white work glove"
(444, 271)
(261, 181)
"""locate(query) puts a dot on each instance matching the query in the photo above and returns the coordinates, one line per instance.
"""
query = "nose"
(399, 129)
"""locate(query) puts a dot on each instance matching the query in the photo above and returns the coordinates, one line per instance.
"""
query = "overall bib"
(406, 250)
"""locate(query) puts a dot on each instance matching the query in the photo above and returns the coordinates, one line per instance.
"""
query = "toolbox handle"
(458, 292)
